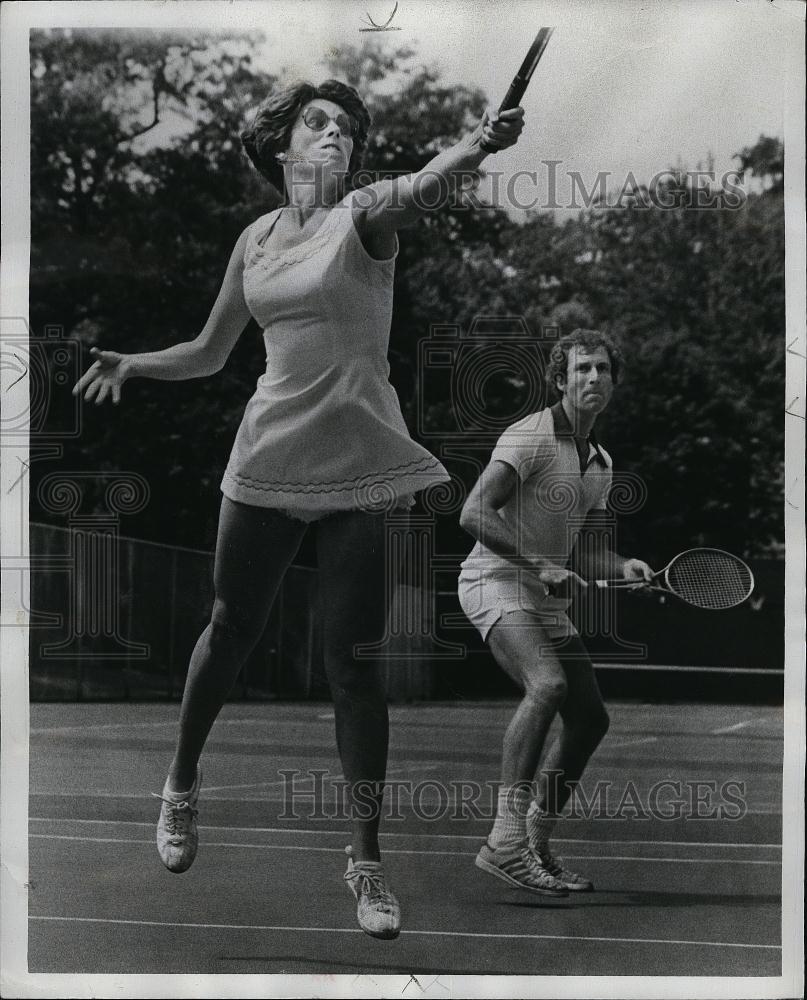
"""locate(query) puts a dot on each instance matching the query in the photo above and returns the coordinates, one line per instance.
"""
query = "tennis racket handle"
(620, 584)
(515, 92)
(623, 584)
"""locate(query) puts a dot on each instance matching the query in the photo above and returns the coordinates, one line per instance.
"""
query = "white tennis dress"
(324, 429)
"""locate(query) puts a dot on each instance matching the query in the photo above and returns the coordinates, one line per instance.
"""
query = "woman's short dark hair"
(270, 131)
(590, 340)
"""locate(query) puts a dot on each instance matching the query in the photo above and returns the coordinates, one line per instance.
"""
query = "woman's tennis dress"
(324, 430)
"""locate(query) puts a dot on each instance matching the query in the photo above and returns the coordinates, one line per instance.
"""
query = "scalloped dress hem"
(311, 504)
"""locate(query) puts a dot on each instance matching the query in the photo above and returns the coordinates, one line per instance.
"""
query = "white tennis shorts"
(486, 596)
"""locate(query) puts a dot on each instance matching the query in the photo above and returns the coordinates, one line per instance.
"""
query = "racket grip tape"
(618, 584)
(514, 93)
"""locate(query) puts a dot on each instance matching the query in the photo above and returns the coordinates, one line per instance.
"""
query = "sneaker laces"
(179, 815)
(535, 864)
(552, 864)
(373, 884)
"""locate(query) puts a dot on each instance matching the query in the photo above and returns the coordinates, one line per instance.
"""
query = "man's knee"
(546, 691)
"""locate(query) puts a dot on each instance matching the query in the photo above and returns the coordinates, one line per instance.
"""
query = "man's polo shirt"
(556, 489)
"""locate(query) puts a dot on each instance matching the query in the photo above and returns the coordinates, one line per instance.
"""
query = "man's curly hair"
(270, 131)
(590, 340)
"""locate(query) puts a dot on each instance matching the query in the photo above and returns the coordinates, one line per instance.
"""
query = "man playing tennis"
(547, 479)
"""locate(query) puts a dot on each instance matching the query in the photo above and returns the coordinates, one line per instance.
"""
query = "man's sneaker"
(177, 837)
(519, 867)
(378, 912)
(555, 866)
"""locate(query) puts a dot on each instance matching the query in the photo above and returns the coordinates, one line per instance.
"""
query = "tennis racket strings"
(710, 579)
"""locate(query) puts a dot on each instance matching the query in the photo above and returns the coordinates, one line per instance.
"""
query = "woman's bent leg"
(355, 596)
(255, 546)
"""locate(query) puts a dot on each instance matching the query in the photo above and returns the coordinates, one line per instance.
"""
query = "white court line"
(172, 724)
(101, 725)
(732, 729)
(765, 808)
(410, 933)
(327, 776)
(167, 723)
(399, 850)
(410, 836)
(630, 743)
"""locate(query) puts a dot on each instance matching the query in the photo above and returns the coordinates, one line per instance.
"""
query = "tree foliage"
(765, 160)
(132, 226)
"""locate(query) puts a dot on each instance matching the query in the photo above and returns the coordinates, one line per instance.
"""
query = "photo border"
(17, 19)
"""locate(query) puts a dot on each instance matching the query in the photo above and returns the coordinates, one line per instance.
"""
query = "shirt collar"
(564, 429)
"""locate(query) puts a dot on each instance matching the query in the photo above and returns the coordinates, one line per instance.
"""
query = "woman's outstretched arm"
(196, 358)
(388, 205)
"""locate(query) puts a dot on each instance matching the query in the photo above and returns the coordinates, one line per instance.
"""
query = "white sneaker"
(520, 868)
(556, 867)
(378, 912)
(177, 836)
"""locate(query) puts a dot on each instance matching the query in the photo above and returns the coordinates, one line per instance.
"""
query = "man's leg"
(523, 649)
(585, 723)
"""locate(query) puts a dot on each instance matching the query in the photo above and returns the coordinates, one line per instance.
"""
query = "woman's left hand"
(500, 129)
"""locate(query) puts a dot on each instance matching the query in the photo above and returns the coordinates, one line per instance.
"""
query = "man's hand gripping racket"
(705, 578)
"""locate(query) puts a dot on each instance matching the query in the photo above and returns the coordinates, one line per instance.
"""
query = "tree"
(765, 160)
(130, 238)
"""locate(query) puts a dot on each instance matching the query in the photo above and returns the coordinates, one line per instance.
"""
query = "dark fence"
(117, 618)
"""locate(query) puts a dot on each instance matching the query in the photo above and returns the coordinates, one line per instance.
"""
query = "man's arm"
(480, 519)
(597, 561)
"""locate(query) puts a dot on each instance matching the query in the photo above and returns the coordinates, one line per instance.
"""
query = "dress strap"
(261, 240)
(257, 235)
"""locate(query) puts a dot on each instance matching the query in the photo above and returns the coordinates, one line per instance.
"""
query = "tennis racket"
(705, 578)
(515, 92)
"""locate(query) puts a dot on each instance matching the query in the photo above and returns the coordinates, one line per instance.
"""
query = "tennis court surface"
(694, 895)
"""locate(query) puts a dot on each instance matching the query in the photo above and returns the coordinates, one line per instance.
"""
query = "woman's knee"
(600, 723)
(353, 679)
(590, 726)
(235, 628)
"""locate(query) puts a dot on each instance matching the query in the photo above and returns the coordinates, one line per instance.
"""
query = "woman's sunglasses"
(317, 119)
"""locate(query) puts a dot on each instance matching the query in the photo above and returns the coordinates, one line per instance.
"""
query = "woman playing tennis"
(321, 439)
